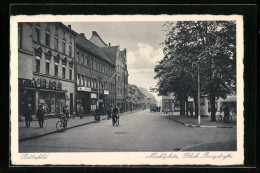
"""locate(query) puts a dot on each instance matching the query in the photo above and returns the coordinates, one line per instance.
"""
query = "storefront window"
(60, 97)
(45, 100)
(70, 74)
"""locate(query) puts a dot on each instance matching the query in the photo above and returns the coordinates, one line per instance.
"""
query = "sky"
(141, 40)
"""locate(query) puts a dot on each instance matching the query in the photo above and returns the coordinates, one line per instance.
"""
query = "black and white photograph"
(127, 90)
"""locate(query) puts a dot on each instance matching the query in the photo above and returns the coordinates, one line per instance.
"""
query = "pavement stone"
(50, 125)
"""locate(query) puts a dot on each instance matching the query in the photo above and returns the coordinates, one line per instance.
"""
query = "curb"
(56, 131)
(200, 126)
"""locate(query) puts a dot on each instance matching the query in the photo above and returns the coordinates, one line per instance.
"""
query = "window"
(56, 69)
(86, 61)
(77, 57)
(20, 34)
(91, 63)
(63, 71)
(83, 80)
(47, 38)
(47, 67)
(64, 46)
(82, 60)
(38, 33)
(70, 50)
(70, 73)
(78, 79)
(90, 82)
(94, 64)
(56, 40)
(37, 64)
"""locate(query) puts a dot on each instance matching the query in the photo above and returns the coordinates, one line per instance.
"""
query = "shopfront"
(41, 91)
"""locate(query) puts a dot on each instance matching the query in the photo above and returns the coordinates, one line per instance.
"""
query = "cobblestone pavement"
(139, 131)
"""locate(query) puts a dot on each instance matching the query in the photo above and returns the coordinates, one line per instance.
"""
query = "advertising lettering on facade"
(40, 83)
(93, 95)
(84, 89)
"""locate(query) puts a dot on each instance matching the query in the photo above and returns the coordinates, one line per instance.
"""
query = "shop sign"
(106, 92)
(40, 83)
(84, 89)
(93, 95)
(100, 100)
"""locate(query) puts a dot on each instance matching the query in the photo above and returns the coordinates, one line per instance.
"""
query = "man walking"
(28, 115)
(40, 114)
(226, 113)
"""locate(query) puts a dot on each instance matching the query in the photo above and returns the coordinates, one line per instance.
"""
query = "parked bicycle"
(62, 123)
(220, 118)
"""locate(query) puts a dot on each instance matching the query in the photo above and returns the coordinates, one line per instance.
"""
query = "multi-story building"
(149, 98)
(46, 66)
(120, 60)
(95, 76)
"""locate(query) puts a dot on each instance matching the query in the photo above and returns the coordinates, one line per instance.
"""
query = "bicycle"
(96, 118)
(115, 120)
(220, 118)
(62, 123)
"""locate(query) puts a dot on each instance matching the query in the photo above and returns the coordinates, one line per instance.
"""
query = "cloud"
(144, 58)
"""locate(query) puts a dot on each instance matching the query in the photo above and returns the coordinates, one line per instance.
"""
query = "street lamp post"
(198, 93)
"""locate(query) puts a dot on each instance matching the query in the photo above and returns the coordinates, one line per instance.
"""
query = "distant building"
(149, 98)
(170, 103)
(46, 66)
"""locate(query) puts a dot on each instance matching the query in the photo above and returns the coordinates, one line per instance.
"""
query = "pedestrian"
(159, 108)
(109, 113)
(40, 114)
(28, 115)
(81, 112)
(226, 113)
(191, 110)
(66, 111)
(73, 115)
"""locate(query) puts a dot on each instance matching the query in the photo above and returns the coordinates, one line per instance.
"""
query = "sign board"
(93, 95)
(84, 89)
(106, 92)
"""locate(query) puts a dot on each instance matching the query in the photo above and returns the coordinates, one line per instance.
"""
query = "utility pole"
(198, 93)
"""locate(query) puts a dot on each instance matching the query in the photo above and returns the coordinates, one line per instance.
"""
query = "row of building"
(58, 66)
(171, 104)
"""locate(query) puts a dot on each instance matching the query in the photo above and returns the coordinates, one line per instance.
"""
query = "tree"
(209, 44)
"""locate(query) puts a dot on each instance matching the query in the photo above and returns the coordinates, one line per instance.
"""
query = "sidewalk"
(205, 121)
(50, 126)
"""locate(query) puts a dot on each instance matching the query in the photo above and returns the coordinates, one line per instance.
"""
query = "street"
(139, 131)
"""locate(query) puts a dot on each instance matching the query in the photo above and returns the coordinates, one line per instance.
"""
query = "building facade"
(95, 77)
(119, 59)
(46, 66)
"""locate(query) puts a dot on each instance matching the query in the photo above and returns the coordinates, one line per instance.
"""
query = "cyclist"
(115, 112)
(64, 119)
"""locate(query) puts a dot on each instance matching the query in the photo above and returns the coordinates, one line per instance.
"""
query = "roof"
(92, 39)
(92, 48)
(111, 52)
(146, 93)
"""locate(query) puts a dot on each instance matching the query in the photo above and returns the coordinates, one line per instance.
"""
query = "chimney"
(69, 26)
(82, 34)
(109, 44)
